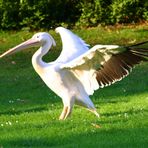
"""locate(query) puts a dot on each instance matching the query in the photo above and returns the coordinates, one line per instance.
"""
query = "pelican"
(79, 71)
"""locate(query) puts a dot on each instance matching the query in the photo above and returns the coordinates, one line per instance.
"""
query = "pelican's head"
(39, 39)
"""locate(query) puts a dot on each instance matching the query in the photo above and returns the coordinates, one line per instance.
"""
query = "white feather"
(73, 46)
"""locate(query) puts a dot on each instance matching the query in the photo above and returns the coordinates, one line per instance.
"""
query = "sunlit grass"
(29, 110)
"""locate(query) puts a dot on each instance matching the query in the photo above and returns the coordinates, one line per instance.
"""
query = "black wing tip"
(134, 45)
(140, 50)
(119, 66)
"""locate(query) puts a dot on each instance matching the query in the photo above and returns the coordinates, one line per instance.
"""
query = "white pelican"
(79, 71)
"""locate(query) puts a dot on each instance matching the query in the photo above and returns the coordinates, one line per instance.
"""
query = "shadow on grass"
(17, 112)
(122, 138)
(124, 113)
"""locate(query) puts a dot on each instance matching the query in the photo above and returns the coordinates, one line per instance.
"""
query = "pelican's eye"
(38, 36)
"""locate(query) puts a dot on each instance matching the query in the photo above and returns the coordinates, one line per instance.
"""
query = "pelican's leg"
(63, 113)
(68, 113)
(94, 111)
(69, 107)
(88, 104)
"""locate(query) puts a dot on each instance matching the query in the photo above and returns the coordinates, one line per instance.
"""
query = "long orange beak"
(27, 44)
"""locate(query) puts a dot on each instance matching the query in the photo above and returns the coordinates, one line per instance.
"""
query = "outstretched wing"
(73, 46)
(103, 65)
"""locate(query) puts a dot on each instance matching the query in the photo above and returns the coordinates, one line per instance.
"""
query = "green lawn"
(29, 110)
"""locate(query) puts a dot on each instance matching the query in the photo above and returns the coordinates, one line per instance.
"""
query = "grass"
(29, 110)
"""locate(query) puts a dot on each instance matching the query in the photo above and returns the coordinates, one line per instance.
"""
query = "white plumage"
(79, 71)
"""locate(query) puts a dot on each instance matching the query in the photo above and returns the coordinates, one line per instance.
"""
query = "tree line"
(37, 14)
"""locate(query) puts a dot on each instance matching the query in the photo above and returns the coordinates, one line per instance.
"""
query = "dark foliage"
(36, 14)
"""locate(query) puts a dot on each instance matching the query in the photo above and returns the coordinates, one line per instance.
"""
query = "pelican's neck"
(37, 61)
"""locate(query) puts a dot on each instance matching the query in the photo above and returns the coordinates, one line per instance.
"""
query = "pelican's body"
(62, 81)
(78, 71)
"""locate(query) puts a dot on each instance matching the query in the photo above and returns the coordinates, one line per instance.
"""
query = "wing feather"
(71, 43)
(107, 63)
